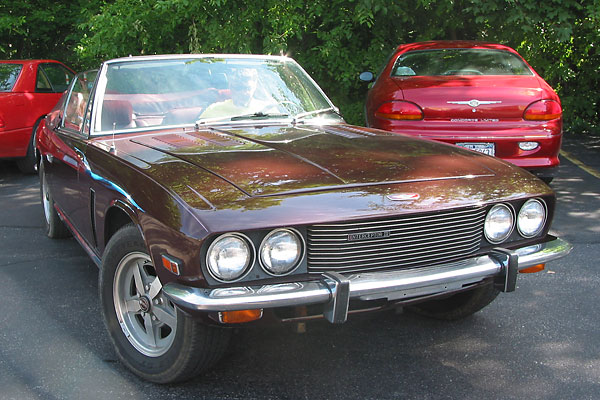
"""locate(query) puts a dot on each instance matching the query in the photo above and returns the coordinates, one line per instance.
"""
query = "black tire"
(29, 163)
(181, 353)
(457, 306)
(55, 227)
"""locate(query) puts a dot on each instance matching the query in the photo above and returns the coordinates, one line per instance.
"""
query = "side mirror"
(55, 121)
(366, 76)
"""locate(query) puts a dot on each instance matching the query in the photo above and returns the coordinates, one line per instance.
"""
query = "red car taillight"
(543, 110)
(399, 110)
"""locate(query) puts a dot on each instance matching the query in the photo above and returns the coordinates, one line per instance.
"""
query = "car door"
(70, 182)
(52, 79)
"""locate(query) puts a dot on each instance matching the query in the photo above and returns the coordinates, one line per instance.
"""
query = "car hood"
(280, 160)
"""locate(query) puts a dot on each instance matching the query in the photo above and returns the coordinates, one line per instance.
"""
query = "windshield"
(459, 62)
(8, 76)
(179, 91)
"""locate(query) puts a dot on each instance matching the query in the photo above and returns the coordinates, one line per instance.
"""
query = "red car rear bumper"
(14, 143)
(505, 136)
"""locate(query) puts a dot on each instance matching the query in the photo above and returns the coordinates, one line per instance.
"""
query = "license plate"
(485, 148)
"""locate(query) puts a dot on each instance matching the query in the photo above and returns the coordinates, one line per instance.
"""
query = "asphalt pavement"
(540, 342)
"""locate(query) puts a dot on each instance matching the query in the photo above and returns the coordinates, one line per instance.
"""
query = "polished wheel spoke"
(166, 316)
(150, 334)
(155, 288)
(139, 283)
(133, 306)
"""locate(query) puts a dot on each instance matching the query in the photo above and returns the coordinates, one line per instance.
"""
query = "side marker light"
(238, 317)
(170, 264)
(533, 269)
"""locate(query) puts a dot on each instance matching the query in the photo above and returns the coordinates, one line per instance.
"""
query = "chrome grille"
(400, 242)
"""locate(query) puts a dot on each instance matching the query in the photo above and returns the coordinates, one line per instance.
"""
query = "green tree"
(42, 28)
(334, 40)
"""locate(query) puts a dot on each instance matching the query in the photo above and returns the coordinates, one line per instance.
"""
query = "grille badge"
(403, 196)
(475, 103)
(353, 237)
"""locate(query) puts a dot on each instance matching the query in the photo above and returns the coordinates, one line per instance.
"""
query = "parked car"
(480, 96)
(218, 190)
(29, 89)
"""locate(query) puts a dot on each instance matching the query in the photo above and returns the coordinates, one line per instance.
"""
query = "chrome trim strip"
(337, 253)
(353, 225)
(391, 285)
(406, 262)
(397, 229)
(421, 236)
(386, 254)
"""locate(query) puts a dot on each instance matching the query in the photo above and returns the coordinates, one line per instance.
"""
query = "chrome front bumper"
(334, 290)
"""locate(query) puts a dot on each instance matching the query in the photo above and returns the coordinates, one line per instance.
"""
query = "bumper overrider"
(334, 290)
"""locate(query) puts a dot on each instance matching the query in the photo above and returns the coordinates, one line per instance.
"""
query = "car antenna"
(113, 148)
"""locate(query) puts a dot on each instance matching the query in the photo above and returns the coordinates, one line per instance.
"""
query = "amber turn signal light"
(535, 268)
(238, 317)
(170, 263)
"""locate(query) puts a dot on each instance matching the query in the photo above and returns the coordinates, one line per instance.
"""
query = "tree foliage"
(334, 40)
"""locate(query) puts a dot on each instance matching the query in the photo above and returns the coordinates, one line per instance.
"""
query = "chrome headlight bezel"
(510, 229)
(248, 265)
(544, 209)
(298, 260)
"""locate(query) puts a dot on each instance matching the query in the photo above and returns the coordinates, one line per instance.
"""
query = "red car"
(481, 96)
(29, 89)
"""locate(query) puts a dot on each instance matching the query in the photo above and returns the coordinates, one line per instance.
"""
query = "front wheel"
(151, 336)
(459, 305)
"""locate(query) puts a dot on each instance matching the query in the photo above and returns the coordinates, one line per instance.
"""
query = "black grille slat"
(475, 238)
(398, 232)
(411, 241)
(456, 233)
(404, 265)
(351, 226)
(395, 255)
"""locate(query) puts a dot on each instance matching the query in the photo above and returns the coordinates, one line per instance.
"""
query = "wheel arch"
(117, 216)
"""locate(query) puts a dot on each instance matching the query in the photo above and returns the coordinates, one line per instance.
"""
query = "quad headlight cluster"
(500, 221)
(231, 256)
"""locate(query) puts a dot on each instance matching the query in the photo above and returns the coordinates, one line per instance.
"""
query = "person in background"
(242, 84)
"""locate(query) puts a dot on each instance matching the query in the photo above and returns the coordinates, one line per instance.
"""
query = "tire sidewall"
(157, 369)
(28, 163)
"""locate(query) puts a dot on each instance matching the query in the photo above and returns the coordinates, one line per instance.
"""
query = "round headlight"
(280, 251)
(498, 223)
(531, 218)
(228, 257)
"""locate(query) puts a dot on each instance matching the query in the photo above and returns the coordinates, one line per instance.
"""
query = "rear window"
(459, 62)
(8, 76)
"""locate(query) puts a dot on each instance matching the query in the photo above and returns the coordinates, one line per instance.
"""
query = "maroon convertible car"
(218, 190)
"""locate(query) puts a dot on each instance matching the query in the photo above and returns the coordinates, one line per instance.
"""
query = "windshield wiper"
(300, 116)
(258, 115)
